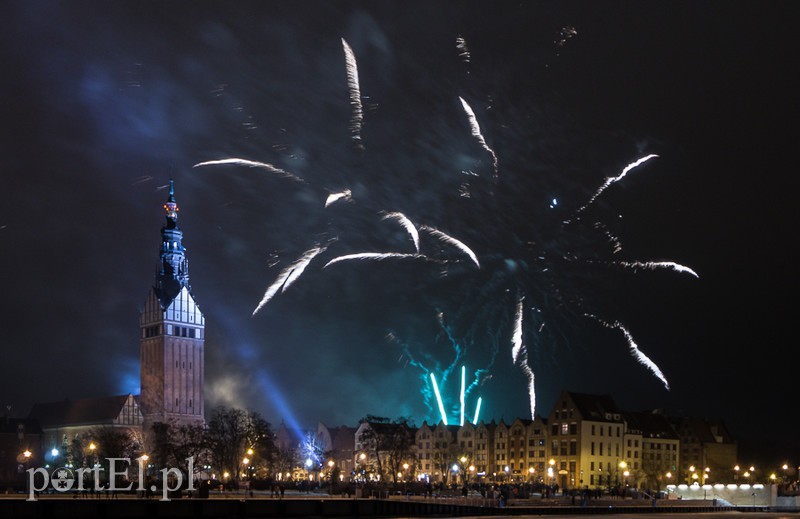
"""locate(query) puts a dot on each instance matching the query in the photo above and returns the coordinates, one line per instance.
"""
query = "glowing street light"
(27, 455)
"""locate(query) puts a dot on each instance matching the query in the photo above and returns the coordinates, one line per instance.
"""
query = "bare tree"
(235, 434)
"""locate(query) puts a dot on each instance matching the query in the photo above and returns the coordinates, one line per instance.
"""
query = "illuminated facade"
(172, 336)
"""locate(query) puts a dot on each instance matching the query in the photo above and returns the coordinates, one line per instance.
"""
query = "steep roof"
(595, 407)
(85, 411)
(651, 424)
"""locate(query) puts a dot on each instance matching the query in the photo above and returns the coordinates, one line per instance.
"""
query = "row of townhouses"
(586, 441)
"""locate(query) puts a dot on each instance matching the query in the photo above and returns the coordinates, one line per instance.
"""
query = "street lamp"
(550, 474)
(736, 473)
(27, 455)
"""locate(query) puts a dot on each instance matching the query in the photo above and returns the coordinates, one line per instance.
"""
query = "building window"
(565, 428)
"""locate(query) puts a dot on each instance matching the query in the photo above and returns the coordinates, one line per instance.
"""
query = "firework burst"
(516, 269)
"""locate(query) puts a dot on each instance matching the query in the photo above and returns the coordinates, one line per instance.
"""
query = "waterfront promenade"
(302, 505)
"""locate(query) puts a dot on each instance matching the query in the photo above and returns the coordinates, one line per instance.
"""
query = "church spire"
(173, 273)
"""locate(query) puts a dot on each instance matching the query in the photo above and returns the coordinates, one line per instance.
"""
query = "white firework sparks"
(446, 238)
(463, 51)
(357, 117)
(476, 132)
(653, 265)
(372, 256)
(251, 164)
(612, 180)
(288, 276)
(635, 351)
(346, 195)
(519, 356)
(407, 225)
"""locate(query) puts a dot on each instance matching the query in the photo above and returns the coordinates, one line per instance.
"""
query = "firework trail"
(445, 238)
(407, 225)
(342, 195)
(374, 256)
(288, 276)
(635, 351)
(613, 240)
(252, 164)
(519, 356)
(476, 132)
(612, 180)
(357, 117)
(463, 51)
(653, 265)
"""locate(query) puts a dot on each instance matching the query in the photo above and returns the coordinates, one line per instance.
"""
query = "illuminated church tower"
(172, 333)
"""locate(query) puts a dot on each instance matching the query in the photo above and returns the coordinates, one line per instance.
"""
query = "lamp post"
(550, 473)
(27, 455)
(736, 473)
(331, 463)
(143, 472)
(309, 476)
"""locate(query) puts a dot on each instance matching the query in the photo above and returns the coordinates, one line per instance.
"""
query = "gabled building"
(172, 357)
(500, 462)
(68, 427)
(484, 449)
(518, 449)
(171, 346)
(586, 439)
(424, 441)
(704, 444)
(656, 462)
(536, 459)
(337, 444)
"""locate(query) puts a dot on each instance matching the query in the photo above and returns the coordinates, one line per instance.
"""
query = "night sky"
(101, 103)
